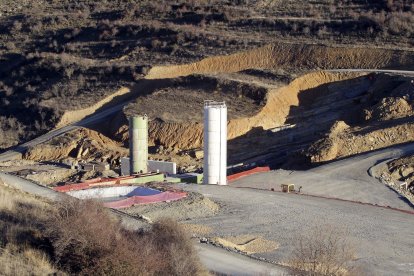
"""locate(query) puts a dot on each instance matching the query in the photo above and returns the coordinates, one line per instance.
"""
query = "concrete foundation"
(153, 166)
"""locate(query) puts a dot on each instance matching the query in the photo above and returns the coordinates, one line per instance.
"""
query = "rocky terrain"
(382, 118)
(165, 59)
(401, 171)
(63, 60)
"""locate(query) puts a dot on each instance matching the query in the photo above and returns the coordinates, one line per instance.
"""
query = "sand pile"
(249, 244)
(197, 229)
(82, 144)
(338, 128)
(389, 108)
(357, 140)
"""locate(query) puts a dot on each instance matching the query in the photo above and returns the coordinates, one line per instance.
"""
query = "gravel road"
(345, 179)
(383, 238)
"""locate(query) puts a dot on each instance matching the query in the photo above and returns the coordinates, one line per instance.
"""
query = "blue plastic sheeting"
(143, 191)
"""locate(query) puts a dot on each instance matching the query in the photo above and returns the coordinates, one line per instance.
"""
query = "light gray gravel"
(345, 179)
(383, 238)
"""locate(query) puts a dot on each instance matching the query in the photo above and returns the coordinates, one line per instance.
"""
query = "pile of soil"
(81, 144)
(195, 205)
(248, 244)
(389, 108)
(402, 169)
(357, 140)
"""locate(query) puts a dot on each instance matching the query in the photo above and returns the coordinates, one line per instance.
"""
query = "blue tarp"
(143, 191)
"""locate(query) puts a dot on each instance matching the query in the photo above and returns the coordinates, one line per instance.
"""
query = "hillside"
(58, 56)
(83, 237)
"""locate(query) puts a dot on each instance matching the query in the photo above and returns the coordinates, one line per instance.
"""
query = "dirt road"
(383, 238)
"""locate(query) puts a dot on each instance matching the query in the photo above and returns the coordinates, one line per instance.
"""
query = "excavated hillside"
(315, 118)
(291, 57)
(385, 118)
(175, 125)
(63, 60)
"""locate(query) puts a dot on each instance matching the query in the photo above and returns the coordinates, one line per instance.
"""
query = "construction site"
(250, 147)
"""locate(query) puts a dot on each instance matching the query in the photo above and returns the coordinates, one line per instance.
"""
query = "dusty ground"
(382, 237)
(193, 206)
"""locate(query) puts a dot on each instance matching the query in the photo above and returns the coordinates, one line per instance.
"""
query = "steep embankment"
(82, 144)
(291, 56)
(187, 135)
(350, 142)
(278, 101)
(70, 116)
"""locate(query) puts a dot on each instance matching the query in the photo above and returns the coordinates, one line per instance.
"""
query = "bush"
(324, 250)
(88, 240)
(168, 237)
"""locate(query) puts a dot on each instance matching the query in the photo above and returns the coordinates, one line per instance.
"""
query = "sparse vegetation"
(323, 250)
(55, 62)
(81, 237)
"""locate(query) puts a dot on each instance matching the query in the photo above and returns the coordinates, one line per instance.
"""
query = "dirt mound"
(389, 108)
(193, 206)
(82, 144)
(248, 244)
(289, 56)
(197, 229)
(359, 140)
(337, 128)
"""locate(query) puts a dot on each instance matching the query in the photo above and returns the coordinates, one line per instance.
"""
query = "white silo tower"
(215, 143)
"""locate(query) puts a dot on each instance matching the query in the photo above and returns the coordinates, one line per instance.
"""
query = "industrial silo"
(138, 144)
(215, 143)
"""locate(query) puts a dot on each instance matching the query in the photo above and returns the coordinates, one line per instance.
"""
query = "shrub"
(88, 240)
(324, 250)
(168, 237)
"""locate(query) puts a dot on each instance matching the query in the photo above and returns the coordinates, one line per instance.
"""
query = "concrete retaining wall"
(153, 166)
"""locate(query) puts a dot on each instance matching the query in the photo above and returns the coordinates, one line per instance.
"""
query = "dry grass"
(84, 238)
(323, 250)
(21, 217)
(88, 240)
(17, 261)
